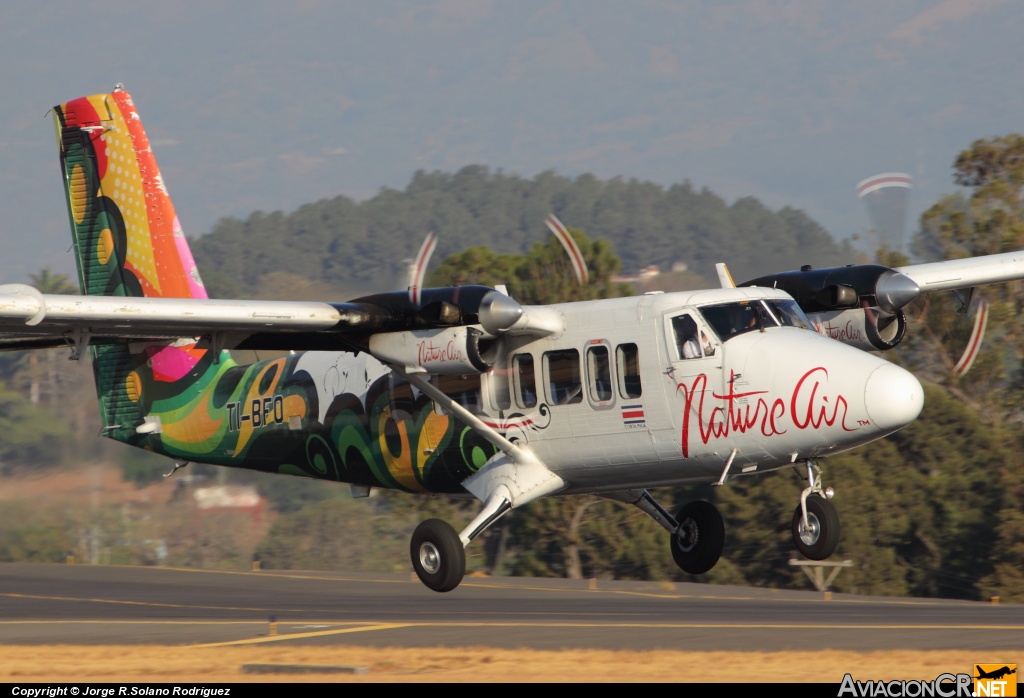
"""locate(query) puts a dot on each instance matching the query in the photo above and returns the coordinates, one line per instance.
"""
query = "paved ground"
(77, 604)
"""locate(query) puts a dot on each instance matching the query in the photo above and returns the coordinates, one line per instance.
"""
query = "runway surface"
(77, 604)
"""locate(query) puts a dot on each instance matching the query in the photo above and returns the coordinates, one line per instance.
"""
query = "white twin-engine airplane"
(463, 390)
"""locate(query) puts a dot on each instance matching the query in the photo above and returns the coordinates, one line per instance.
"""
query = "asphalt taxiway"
(78, 604)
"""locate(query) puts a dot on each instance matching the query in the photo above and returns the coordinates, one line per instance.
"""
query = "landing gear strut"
(815, 521)
(696, 532)
(439, 553)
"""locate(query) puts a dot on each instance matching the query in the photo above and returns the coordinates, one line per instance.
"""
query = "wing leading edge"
(965, 273)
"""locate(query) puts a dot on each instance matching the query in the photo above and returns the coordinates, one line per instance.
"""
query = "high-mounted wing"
(965, 273)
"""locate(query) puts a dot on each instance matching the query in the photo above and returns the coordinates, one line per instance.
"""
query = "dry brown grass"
(158, 664)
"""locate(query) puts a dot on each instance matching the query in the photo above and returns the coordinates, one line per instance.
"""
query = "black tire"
(437, 555)
(821, 540)
(698, 543)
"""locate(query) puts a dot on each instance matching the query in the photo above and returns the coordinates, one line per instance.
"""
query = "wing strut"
(509, 479)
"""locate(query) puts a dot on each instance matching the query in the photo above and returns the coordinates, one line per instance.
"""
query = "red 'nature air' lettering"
(426, 352)
(718, 416)
(850, 332)
(808, 409)
(732, 416)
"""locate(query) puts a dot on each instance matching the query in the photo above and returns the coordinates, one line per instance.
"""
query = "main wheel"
(698, 543)
(437, 555)
(817, 540)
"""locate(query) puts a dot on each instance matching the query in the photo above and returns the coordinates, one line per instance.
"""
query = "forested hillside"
(360, 247)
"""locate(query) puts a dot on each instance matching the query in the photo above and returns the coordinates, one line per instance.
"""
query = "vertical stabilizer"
(127, 242)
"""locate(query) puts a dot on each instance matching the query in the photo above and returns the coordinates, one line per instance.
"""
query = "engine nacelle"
(838, 288)
(864, 328)
(450, 350)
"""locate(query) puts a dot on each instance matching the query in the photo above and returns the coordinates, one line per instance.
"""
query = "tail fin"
(128, 241)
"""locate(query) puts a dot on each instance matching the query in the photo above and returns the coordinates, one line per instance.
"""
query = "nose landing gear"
(815, 521)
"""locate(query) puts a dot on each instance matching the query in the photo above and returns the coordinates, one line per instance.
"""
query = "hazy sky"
(255, 105)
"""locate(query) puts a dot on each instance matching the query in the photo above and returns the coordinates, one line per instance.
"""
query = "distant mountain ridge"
(364, 245)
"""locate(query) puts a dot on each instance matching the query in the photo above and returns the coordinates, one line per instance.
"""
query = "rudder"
(128, 242)
(127, 238)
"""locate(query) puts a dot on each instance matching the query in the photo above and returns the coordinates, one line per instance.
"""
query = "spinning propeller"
(886, 197)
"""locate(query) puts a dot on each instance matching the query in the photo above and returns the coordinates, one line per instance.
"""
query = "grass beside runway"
(178, 664)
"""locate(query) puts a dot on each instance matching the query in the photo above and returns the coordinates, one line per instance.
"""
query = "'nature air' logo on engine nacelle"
(810, 406)
(427, 353)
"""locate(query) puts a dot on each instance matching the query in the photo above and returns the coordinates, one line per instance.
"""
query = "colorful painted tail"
(127, 238)
(128, 242)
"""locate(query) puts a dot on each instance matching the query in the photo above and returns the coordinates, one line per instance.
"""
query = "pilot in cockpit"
(686, 337)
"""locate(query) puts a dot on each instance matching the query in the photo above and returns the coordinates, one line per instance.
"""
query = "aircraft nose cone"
(893, 397)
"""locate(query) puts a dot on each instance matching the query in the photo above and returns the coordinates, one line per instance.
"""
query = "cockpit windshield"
(732, 319)
(789, 314)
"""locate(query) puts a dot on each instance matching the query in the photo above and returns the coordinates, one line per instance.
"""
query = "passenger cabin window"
(525, 380)
(465, 390)
(628, 359)
(400, 398)
(562, 369)
(599, 372)
(497, 381)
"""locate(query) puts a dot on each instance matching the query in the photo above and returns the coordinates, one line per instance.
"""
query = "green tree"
(32, 437)
(542, 276)
(988, 219)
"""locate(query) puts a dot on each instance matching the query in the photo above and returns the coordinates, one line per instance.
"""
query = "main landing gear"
(815, 521)
(698, 541)
(696, 532)
(438, 555)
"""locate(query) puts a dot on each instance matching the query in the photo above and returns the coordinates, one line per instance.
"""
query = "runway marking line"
(372, 625)
(300, 636)
(131, 603)
(681, 626)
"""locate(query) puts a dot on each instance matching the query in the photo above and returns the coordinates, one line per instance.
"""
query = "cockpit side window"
(687, 344)
(692, 342)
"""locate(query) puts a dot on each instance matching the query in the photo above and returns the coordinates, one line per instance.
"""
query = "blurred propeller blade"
(579, 265)
(974, 343)
(418, 270)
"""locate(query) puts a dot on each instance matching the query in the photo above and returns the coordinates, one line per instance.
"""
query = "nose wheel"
(697, 543)
(817, 539)
(437, 555)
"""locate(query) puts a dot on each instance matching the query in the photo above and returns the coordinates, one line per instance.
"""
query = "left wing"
(29, 319)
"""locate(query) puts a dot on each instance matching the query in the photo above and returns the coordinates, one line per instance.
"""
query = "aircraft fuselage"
(613, 401)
